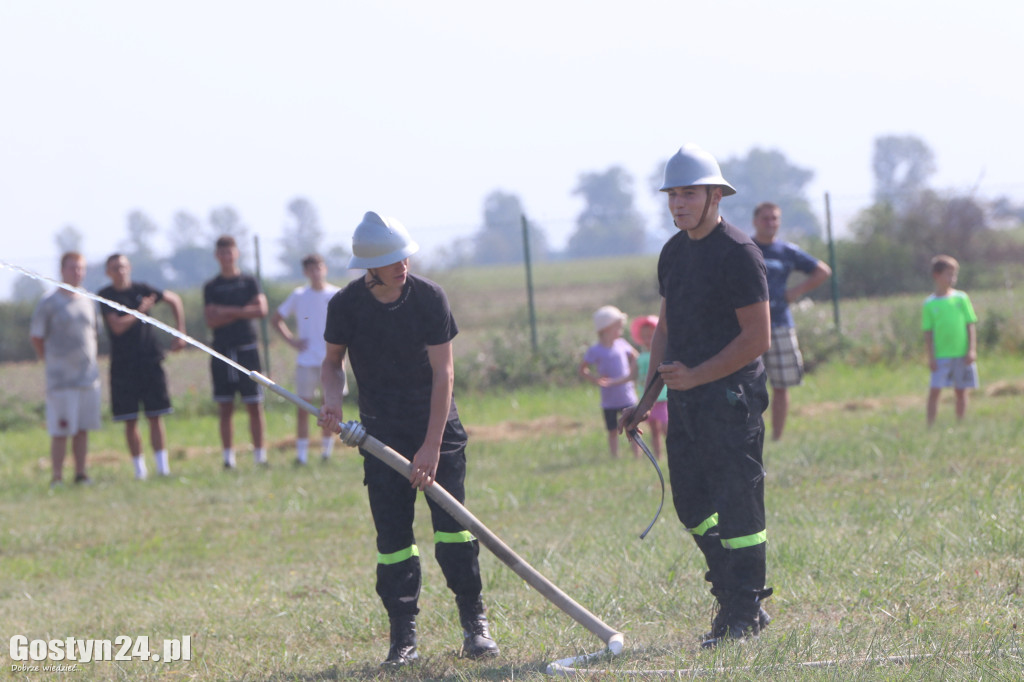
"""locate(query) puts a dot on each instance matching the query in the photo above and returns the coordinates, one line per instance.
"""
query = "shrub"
(507, 362)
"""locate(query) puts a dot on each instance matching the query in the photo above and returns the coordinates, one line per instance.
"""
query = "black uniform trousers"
(393, 506)
(715, 444)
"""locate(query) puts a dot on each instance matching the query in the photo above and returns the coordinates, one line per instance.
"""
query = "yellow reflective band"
(399, 556)
(461, 536)
(746, 540)
(709, 523)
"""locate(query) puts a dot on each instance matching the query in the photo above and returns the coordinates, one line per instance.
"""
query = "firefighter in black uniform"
(712, 330)
(397, 330)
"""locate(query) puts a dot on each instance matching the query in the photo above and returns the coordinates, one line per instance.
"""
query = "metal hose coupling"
(353, 434)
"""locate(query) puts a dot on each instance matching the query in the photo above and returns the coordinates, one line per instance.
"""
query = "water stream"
(142, 317)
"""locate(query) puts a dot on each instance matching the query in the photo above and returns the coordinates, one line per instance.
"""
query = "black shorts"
(132, 385)
(227, 380)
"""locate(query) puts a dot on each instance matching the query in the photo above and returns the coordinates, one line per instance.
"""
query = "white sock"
(325, 446)
(259, 455)
(162, 467)
(140, 467)
(229, 457)
(301, 449)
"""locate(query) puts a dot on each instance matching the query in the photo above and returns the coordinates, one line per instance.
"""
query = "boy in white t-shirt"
(308, 305)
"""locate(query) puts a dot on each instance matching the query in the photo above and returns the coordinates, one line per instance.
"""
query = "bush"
(508, 362)
(879, 267)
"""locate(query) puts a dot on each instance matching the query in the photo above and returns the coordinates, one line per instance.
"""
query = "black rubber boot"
(477, 641)
(740, 617)
(403, 642)
(721, 619)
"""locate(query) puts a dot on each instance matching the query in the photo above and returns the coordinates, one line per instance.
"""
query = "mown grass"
(886, 539)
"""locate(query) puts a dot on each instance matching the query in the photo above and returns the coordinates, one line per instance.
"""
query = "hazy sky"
(420, 109)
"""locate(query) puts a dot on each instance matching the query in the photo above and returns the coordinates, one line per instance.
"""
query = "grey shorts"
(70, 410)
(783, 361)
(954, 373)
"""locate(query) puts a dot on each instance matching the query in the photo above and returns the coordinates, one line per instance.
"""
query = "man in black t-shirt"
(397, 330)
(233, 301)
(136, 375)
(712, 330)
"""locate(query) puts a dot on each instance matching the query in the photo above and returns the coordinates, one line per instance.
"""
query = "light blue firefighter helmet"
(692, 166)
(379, 241)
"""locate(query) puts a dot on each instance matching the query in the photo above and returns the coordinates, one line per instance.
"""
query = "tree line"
(887, 251)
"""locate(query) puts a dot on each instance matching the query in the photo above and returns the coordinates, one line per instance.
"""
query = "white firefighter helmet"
(379, 241)
(692, 166)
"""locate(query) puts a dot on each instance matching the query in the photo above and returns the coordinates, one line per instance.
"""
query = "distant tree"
(27, 290)
(141, 231)
(902, 165)
(655, 180)
(302, 237)
(609, 224)
(500, 239)
(337, 263)
(226, 222)
(874, 221)
(767, 175)
(1004, 208)
(68, 239)
(456, 253)
(138, 247)
(191, 259)
(907, 235)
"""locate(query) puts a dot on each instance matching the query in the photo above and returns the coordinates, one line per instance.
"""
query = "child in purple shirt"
(611, 364)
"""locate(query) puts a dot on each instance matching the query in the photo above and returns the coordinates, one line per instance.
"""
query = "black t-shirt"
(138, 344)
(703, 282)
(387, 349)
(238, 291)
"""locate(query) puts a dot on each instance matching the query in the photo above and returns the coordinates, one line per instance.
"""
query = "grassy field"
(886, 539)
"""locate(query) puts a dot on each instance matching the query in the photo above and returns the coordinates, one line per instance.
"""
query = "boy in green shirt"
(950, 337)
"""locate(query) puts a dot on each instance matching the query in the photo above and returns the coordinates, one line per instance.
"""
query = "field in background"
(886, 539)
(493, 349)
